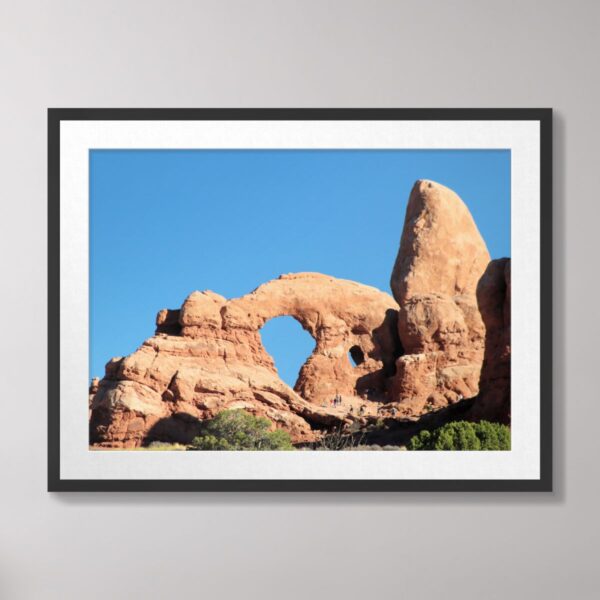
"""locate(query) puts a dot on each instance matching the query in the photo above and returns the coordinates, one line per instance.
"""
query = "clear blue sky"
(166, 222)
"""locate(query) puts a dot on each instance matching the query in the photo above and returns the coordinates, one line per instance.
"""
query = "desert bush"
(375, 448)
(239, 430)
(421, 441)
(463, 435)
(341, 438)
(493, 436)
(160, 447)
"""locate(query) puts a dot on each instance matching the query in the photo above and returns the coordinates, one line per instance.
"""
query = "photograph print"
(325, 301)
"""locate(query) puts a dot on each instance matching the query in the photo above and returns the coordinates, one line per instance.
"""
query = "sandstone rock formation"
(493, 295)
(415, 353)
(208, 356)
(441, 258)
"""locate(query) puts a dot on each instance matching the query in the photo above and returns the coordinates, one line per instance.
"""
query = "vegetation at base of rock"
(342, 437)
(463, 435)
(239, 430)
(361, 448)
(161, 447)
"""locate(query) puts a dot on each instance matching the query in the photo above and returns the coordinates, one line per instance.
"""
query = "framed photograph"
(300, 300)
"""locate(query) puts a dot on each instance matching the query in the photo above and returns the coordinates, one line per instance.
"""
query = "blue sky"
(166, 222)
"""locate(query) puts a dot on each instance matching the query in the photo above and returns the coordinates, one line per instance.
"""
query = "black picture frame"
(58, 115)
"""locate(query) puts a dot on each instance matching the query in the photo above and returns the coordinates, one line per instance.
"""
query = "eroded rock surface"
(441, 258)
(414, 353)
(208, 356)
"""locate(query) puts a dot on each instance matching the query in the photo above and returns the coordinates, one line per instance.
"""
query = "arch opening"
(356, 356)
(289, 346)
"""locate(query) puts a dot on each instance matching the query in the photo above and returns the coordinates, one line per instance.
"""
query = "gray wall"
(310, 53)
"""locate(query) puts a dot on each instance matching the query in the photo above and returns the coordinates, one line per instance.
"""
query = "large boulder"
(441, 258)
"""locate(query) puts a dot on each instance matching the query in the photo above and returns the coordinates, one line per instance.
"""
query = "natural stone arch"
(339, 314)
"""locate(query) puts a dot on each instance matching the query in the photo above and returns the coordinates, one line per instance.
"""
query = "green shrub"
(493, 436)
(463, 435)
(421, 441)
(239, 430)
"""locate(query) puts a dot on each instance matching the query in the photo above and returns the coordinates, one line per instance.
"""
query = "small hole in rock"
(356, 355)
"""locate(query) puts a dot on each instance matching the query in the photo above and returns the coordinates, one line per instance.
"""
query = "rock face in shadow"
(493, 295)
(441, 258)
(208, 356)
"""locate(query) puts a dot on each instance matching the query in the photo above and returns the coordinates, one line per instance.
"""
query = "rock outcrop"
(493, 295)
(413, 354)
(441, 258)
(208, 356)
